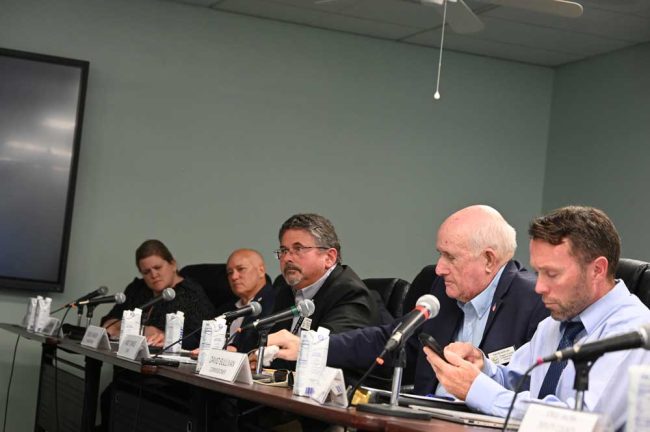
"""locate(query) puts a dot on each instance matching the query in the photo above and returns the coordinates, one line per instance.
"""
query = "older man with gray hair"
(486, 298)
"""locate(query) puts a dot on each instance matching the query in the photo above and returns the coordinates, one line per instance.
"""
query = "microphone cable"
(354, 388)
(520, 383)
(11, 375)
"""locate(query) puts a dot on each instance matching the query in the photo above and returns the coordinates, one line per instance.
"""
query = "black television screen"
(41, 110)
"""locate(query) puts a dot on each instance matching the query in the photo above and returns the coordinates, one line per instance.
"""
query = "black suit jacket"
(248, 340)
(342, 303)
(515, 312)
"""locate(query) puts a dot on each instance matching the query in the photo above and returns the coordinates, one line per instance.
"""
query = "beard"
(576, 303)
(294, 277)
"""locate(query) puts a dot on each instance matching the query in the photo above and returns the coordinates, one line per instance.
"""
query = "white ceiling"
(509, 33)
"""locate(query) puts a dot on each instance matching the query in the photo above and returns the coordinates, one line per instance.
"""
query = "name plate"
(51, 327)
(331, 387)
(96, 337)
(133, 347)
(227, 366)
(638, 415)
(547, 418)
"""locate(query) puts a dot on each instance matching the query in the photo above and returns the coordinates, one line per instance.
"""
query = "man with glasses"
(310, 262)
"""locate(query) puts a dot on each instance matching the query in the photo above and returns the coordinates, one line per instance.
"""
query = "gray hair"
(494, 232)
(318, 226)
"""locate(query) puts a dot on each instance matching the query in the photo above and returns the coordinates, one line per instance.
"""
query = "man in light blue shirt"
(575, 251)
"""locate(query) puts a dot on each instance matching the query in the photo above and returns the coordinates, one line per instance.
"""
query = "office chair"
(636, 275)
(392, 292)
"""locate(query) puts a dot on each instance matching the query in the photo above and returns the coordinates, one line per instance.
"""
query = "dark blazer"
(342, 303)
(515, 312)
(248, 340)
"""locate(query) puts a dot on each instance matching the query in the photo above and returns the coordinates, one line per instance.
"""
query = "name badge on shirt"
(502, 356)
(306, 324)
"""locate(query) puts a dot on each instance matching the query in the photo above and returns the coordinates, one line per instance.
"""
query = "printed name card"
(638, 402)
(331, 387)
(133, 347)
(227, 366)
(51, 327)
(547, 418)
(96, 337)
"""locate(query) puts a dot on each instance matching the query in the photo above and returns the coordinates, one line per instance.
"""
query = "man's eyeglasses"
(295, 250)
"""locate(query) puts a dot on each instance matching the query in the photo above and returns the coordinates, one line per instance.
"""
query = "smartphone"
(428, 341)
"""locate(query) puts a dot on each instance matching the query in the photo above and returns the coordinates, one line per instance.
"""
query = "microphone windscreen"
(431, 303)
(120, 298)
(102, 290)
(306, 308)
(168, 294)
(256, 308)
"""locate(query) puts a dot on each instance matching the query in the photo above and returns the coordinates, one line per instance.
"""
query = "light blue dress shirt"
(475, 315)
(309, 292)
(617, 312)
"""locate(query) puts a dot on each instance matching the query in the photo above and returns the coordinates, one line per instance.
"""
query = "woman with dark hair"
(159, 271)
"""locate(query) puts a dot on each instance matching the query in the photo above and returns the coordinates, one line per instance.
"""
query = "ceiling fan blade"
(459, 16)
(564, 8)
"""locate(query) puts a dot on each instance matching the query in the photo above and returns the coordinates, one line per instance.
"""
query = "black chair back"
(636, 275)
(392, 292)
(213, 279)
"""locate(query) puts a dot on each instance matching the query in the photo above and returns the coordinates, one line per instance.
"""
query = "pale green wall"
(599, 145)
(208, 130)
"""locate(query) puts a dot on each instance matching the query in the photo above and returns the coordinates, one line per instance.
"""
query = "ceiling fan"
(462, 19)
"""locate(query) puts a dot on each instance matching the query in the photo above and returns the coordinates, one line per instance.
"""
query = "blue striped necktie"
(552, 377)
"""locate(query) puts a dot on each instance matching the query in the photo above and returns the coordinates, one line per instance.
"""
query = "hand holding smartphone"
(428, 341)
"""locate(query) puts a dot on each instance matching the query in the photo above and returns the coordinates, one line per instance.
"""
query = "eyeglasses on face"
(297, 250)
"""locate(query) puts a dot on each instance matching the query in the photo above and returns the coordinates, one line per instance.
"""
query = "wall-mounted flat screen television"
(41, 110)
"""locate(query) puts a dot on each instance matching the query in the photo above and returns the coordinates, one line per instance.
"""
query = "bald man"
(247, 279)
(485, 297)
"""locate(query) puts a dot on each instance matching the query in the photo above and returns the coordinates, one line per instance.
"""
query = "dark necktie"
(555, 370)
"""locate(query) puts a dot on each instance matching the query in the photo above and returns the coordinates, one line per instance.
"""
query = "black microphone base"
(392, 410)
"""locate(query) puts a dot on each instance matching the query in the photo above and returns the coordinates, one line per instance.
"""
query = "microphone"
(252, 309)
(99, 291)
(118, 298)
(168, 294)
(426, 307)
(590, 351)
(304, 308)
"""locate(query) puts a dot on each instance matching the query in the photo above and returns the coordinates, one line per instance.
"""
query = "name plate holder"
(133, 347)
(331, 388)
(227, 366)
(97, 338)
(548, 418)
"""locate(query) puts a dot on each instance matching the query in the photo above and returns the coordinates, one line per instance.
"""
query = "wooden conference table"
(274, 397)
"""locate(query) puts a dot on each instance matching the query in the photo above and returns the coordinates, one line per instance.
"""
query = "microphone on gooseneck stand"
(591, 351)
(252, 309)
(118, 298)
(426, 307)
(304, 308)
(91, 304)
(168, 294)
(96, 293)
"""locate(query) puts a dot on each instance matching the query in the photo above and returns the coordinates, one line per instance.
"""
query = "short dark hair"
(591, 233)
(150, 248)
(318, 226)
